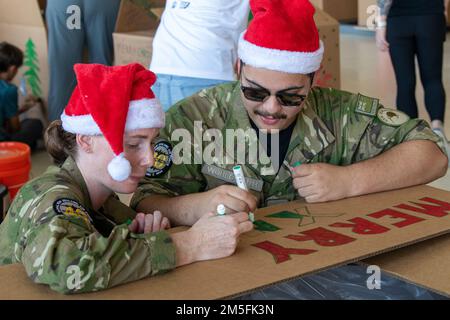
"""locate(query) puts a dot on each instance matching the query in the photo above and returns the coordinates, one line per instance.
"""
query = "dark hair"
(10, 56)
(59, 143)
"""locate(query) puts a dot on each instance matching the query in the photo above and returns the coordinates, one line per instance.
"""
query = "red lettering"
(435, 211)
(407, 219)
(361, 226)
(281, 254)
(322, 237)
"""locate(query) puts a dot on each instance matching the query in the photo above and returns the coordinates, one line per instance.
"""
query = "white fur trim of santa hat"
(142, 114)
(280, 60)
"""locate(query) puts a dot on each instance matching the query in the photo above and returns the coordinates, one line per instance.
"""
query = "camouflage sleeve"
(117, 211)
(380, 137)
(66, 253)
(363, 128)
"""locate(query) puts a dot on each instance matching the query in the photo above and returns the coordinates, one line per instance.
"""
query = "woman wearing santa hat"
(69, 229)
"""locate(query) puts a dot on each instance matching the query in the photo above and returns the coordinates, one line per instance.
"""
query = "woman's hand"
(212, 237)
(147, 223)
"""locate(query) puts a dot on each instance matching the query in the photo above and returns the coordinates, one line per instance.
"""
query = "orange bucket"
(15, 165)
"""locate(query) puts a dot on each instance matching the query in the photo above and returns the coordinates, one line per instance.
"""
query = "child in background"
(11, 128)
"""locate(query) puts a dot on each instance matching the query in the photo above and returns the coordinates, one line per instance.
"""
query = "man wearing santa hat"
(332, 144)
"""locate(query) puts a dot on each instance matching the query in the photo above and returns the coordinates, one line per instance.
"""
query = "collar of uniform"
(237, 117)
(101, 222)
(309, 138)
(70, 166)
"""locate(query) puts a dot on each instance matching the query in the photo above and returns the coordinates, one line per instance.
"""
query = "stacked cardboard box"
(341, 10)
(367, 12)
(22, 25)
(135, 29)
(330, 73)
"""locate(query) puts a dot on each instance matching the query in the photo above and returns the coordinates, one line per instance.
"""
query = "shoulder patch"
(163, 159)
(72, 209)
(392, 117)
(367, 106)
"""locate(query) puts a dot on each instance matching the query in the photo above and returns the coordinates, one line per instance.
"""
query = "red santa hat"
(282, 37)
(109, 101)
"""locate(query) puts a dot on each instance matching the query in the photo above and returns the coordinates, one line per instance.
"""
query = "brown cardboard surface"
(20, 22)
(341, 10)
(330, 73)
(134, 34)
(393, 220)
(363, 8)
(426, 263)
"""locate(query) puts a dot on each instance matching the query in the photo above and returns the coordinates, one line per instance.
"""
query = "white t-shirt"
(198, 38)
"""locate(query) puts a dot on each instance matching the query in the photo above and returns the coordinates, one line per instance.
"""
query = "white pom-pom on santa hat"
(119, 168)
(282, 37)
(110, 101)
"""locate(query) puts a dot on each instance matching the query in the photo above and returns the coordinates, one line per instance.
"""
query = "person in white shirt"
(195, 46)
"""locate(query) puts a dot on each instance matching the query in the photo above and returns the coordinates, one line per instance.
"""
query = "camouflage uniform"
(63, 242)
(334, 127)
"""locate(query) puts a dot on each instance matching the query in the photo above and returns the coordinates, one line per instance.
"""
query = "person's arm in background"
(384, 7)
(30, 102)
(10, 108)
(446, 2)
(13, 121)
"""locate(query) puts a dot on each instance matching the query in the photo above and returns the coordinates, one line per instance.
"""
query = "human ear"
(85, 143)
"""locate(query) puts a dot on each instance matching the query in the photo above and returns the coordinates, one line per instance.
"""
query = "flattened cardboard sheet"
(291, 240)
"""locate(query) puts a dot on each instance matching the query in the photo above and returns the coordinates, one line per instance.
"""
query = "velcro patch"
(366, 105)
(72, 209)
(163, 160)
(228, 176)
(392, 117)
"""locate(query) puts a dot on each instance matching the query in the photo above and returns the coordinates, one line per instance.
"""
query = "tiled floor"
(365, 70)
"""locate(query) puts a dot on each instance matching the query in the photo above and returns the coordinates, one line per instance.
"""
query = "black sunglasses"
(283, 98)
(261, 94)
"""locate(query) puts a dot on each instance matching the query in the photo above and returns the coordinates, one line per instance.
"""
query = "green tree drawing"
(32, 64)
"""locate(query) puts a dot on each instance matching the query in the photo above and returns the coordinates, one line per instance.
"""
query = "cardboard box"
(341, 10)
(426, 264)
(367, 12)
(289, 241)
(135, 28)
(22, 25)
(330, 73)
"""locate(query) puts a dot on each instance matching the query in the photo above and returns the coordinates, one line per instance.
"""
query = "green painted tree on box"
(32, 64)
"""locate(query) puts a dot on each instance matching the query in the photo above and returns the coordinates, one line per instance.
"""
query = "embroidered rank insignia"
(72, 209)
(367, 106)
(163, 160)
(391, 117)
